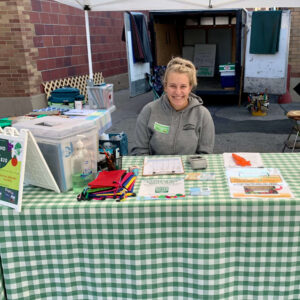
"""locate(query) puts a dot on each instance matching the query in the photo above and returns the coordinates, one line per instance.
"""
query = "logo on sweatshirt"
(161, 128)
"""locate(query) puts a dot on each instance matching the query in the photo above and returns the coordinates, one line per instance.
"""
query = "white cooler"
(56, 137)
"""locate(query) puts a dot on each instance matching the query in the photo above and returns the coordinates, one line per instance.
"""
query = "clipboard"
(162, 166)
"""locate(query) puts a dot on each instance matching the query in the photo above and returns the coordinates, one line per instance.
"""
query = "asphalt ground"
(236, 129)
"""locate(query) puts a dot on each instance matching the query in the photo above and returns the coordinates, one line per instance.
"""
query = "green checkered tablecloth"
(208, 247)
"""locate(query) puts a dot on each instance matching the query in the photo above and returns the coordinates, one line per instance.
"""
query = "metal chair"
(293, 140)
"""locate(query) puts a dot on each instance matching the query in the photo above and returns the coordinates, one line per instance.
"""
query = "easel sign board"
(12, 165)
(20, 157)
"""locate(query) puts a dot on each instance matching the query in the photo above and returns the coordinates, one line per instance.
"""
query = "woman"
(176, 123)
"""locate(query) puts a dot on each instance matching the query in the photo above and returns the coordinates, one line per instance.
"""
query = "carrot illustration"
(241, 161)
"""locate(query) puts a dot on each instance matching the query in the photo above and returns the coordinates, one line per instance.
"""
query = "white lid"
(55, 127)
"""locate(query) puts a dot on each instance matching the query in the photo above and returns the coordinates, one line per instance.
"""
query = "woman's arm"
(142, 133)
(206, 140)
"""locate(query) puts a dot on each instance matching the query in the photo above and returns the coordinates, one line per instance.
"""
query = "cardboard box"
(56, 137)
(191, 22)
(206, 21)
(222, 20)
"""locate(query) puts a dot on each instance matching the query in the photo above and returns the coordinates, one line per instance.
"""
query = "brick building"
(42, 40)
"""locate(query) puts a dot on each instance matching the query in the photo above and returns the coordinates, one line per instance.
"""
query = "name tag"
(161, 128)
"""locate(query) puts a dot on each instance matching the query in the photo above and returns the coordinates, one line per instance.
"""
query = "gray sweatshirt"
(161, 130)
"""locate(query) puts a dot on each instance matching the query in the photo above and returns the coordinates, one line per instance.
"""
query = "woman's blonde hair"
(180, 65)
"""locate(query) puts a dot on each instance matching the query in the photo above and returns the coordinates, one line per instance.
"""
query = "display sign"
(14, 158)
(12, 165)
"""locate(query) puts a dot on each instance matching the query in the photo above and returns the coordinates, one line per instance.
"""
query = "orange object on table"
(241, 161)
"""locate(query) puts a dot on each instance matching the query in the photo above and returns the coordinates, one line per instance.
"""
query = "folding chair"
(293, 140)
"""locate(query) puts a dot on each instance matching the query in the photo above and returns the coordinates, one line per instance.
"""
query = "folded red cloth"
(107, 179)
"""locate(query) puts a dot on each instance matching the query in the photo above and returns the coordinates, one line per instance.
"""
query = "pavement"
(236, 129)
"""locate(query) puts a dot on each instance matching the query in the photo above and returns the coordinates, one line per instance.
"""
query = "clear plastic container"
(82, 171)
(57, 138)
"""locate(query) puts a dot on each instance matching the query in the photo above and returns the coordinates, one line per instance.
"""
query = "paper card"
(254, 158)
(200, 176)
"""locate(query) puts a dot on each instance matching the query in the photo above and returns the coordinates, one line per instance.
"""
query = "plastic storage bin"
(56, 138)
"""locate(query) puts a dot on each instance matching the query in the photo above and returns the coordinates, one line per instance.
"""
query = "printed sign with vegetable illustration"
(10, 169)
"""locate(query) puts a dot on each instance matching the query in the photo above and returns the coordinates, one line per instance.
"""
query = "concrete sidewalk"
(236, 129)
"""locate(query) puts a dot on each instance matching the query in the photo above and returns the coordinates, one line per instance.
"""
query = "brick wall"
(43, 40)
(18, 72)
(60, 38)
(294, 54)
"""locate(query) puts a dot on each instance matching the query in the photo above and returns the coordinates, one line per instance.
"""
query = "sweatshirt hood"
(194, 100)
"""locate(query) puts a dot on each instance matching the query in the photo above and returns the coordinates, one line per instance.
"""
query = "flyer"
(257, 183)
(161, 188)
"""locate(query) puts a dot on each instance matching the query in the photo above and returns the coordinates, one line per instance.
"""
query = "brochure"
(257, 183)
(161, 188)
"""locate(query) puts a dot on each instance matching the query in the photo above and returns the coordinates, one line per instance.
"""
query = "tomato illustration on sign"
(14, 161)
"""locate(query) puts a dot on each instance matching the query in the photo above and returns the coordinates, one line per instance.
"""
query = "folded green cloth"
(265, 32)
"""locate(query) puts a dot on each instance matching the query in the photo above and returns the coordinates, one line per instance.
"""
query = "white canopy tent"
(135, 5)
(119, 5)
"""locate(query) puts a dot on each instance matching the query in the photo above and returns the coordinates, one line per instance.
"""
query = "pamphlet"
(161, 188)
(257, 183)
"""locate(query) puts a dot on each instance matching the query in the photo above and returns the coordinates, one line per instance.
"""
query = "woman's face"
(178, 89)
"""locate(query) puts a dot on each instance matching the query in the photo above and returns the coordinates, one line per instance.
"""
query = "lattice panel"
(78, 82)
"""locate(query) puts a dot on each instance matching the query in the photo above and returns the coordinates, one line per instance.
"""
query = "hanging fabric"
(140, 39)
(265, 32)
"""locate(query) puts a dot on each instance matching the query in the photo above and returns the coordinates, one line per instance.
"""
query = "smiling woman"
(180, 78)
(176, 123)
(178, 90)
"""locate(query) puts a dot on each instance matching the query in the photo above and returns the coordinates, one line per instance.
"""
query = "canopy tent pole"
(88, 41)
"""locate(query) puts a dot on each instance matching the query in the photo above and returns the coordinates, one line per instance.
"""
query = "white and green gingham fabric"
(208, 247)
